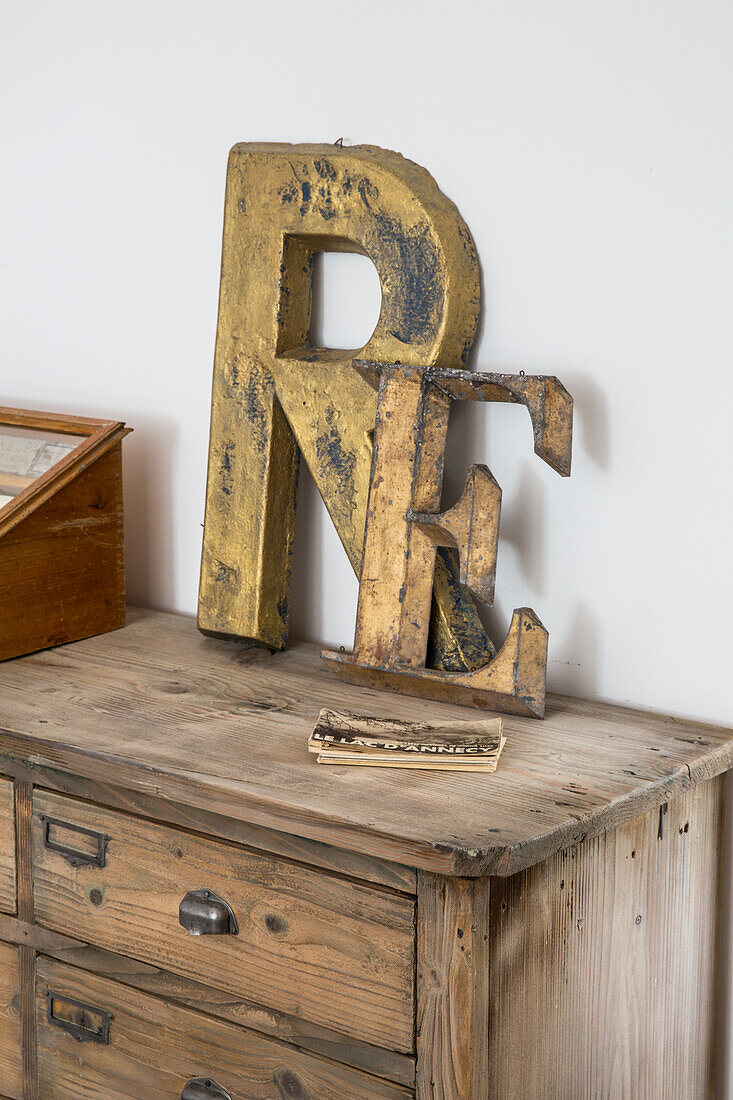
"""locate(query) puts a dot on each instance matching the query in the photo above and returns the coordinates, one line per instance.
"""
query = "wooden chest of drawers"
(361, 934)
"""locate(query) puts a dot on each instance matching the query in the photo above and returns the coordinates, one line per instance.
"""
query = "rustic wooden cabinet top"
(159, 709)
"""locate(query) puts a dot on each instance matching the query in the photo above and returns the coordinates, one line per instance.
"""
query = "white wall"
(588, 147)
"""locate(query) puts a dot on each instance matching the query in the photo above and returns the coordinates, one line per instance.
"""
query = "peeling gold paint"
(277, 397)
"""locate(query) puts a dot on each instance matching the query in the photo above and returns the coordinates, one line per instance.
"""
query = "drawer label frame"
(76, 1030)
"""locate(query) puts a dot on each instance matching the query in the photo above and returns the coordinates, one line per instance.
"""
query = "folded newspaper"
(472, 744)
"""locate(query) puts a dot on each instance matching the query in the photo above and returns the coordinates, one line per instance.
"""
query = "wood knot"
(289, 1085)
(173, 687)
(275, 925)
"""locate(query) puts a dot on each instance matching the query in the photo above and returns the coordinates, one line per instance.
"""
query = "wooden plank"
(155, 1047)
(11, 1057)
(214, 1002)
(603, 962)
(310, 944)
(54, 422)
(27, 960)
(27, 956)
(22, 813)
(158, 709)
(452, 988)
(354, 864)
(8, 899)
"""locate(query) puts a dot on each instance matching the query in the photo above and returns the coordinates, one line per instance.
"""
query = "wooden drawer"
(11, 1058)
(7, 847)
(310, 944)
(149, 1049)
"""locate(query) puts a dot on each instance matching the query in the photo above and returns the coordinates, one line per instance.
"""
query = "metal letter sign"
(370, 423)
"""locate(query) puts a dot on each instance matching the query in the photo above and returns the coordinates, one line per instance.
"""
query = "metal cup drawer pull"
(75, 856)
(204, 913)
(203, 1088)
(83, 1022)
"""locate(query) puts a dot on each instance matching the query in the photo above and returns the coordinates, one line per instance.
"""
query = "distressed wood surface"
(23, 810)
(453, 988)
(309, 944)
(162, 711)
(513, 682)
(214, 1002)
(604, 963)
(312, 852)
(11, 1056)
(62, 563)
(7, 847)
(27, 956)
(155, 1047)
(29, 1039)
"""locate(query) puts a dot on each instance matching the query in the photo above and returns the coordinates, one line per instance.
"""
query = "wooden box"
(61, 534)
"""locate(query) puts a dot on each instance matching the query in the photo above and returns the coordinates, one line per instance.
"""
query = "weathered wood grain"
(214, 1002)
(11, 1057)
(159, 710)
(603, 963)
(7, 847)
(309, 944)
(311, 852)
(156, 1047)
(27, 962)
(27, 958)
(22, 814)
(605, 952)
(453, 988)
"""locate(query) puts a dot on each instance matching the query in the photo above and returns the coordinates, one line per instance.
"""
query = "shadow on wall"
(590, 414)
(580, 646)
(306, 588)
(148, 459)
(323, 592)
(524, 527)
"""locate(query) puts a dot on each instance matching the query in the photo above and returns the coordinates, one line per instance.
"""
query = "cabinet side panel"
(603, 962)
